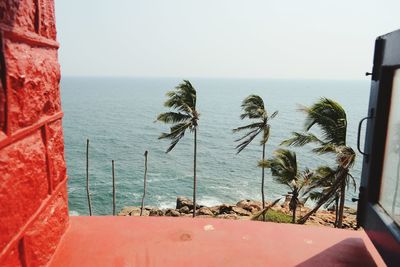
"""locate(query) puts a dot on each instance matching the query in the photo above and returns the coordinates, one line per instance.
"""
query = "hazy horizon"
(228, 38)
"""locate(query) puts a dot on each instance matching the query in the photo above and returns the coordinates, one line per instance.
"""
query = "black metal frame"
(380, 227)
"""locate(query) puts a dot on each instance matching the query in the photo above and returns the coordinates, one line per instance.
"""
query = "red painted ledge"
(167, 241)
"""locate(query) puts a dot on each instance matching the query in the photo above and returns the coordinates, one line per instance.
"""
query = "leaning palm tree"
(254, 109)
(331, 120)
(184, 117)
(284, 169)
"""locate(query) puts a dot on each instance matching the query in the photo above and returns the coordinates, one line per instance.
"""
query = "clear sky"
(308, 39)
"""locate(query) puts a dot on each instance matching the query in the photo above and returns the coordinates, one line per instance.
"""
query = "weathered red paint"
(33, 187)
(163, 241)
(33, 195)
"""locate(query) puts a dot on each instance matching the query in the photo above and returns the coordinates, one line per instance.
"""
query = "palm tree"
(184, 117)
(254, 109)
(323, 181)
(331, 120)
(284, 169)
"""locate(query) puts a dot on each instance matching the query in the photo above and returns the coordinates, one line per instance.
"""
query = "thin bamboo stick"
(113, 182)
(87, 177)
(144, 181)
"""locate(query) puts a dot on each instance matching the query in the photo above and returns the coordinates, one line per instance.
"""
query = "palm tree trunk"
(342, 198)
(262, 182)
(336, 210)
(294, 215)
(323, 199)
(144, 181)
(194, 173)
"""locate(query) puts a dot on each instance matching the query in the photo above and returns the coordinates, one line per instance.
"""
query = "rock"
(172, 212)
(184, 209)
(205, 211)
(132, 211)
(249, 205)
(214, 210)
(225, 209)
(240, 211)
(126, 211)
(183, 201)
(156, 212)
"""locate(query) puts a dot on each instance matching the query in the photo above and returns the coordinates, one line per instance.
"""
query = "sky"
(281, 39)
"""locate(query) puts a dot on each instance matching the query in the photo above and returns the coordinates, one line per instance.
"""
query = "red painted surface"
(33, 187)
(33, 196)
(163, 241)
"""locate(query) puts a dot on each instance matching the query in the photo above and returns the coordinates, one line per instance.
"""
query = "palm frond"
(256, 125)
(283, 166)
(273, 115)
(173, 117)
(253, 107)
(264, 164)
(176, 134)
(265, 135)
(331, 119)
(300, 139)
(246, 142)
(325, 148)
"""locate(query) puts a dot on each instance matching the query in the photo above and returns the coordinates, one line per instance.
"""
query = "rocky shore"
(244, 210)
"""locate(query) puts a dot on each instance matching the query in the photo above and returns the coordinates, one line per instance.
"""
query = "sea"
(117, 115)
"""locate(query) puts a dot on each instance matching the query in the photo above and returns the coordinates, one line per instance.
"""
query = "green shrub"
(276, 216)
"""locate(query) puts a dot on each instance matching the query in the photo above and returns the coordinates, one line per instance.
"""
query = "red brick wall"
(33, 195)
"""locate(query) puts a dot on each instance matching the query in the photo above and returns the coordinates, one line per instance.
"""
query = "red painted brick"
(12, 259)
(33, 74)
(55, 148)
(2, 103)
(47, 19)
(43, 236)
(23, 184)
(19, 14)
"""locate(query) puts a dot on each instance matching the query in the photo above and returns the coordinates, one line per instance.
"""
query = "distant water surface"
(117, 115)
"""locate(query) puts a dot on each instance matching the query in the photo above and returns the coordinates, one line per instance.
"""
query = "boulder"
(240, 211)
(183, 201)
(132, 211)
(225, 209)
(214, 210)
(156, 212)
(126, 211)
(172, 212)
(205, 211)
(184, 209)
(250, 205)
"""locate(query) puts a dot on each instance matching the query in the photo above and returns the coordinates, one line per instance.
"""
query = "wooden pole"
(113, 182)
(87, 177)
(144, 181)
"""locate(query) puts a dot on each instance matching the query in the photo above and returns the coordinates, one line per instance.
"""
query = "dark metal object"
(383, 231)
(359, 133)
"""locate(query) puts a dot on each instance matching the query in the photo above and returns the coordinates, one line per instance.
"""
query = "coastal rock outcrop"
(242, 210)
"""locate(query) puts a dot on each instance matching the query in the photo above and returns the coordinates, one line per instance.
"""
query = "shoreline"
(245, 210)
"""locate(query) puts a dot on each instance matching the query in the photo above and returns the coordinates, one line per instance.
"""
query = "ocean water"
(117, 115)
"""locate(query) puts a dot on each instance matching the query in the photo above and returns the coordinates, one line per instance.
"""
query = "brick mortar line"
(39, 211)
(27, 37)
(29, 130)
